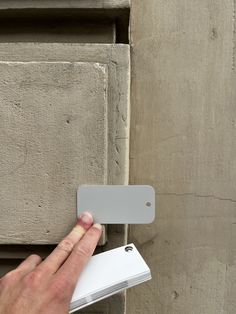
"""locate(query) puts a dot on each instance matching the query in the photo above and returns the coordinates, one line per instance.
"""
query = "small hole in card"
(128, 248)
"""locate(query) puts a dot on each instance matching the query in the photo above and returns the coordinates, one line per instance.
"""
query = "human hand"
(37, 286)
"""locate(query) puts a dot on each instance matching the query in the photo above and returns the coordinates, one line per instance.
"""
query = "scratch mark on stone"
(123, 118)
(117, 149)
(198, 196)
(121, 138)
(175, 295)
(117, 163)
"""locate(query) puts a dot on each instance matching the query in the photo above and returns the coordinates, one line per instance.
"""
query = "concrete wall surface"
(183, 131)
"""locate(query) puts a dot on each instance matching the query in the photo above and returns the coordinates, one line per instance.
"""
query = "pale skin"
(37, 286)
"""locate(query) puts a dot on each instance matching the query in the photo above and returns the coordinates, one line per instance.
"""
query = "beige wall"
(183, 142)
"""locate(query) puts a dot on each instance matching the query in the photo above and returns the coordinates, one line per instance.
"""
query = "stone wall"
(183, 130)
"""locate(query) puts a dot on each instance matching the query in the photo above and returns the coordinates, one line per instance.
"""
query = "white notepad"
(108, 273)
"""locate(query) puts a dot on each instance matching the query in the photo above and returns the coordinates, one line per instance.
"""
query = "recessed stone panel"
(53, 137)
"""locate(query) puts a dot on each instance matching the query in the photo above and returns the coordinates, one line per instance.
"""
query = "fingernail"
(98, 226)
(86, 218)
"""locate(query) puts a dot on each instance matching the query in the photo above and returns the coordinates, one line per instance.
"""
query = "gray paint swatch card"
(117, 204)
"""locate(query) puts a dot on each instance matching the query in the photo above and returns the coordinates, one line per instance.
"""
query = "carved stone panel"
(64, 121)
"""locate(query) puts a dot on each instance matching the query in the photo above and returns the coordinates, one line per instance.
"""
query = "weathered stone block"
(58, 129)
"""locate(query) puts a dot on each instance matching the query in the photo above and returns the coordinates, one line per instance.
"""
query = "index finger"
(53, 262)
(69, 272)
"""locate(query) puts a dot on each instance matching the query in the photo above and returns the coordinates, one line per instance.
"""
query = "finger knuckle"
(66, 245)
(9, 279)
(33, 279)
(58, 289)
(83, 251)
